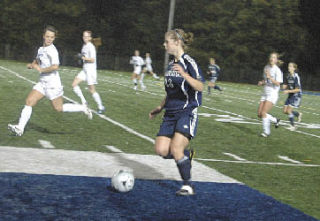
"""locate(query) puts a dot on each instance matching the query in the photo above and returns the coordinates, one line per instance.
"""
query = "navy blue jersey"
(213, 70)
(180, 95)
(293, 82)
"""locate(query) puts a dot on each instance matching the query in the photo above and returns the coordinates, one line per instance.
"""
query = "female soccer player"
(273, 77)
(184, 86)
(49, 85)
(292, 87)
(89, 72)
(213, 72)
(148, 68)
(137, 63)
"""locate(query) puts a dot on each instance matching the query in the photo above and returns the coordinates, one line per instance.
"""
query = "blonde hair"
(279, 62)
(179, 34)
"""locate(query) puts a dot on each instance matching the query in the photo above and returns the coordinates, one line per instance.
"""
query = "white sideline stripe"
(260, 163)
(113, 149)
(97, 164)
(234, 156)
(46, 144)
(93, 111)
(289, 160)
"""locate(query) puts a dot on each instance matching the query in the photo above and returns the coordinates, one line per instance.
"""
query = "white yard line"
(288, 159)
(234, 156)
(113, 149)
(260, 163)
(46, 144)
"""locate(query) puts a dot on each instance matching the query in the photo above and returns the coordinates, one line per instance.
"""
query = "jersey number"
(168, 82)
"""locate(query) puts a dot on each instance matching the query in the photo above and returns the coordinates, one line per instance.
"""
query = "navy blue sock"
(184, 166)
(296, 113)
(209, 89)
(291, 118)
(217, 88)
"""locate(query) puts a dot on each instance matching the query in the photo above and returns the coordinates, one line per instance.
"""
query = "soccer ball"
(122, 181)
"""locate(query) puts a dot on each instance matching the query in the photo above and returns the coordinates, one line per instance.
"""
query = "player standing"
(272, 78)
(148, 68)
(292, 87)
(213, 72)
(184, 86)
(89, 72)
(137, 63)
(49, 85)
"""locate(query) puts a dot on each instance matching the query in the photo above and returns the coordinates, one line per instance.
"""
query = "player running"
(89, 72)
(213, 72)
(292, 87)
(49, 85)
(273, 77)
(148, 66)
(137, 63)
(184, 86)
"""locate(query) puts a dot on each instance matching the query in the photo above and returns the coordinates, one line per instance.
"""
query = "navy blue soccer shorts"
(185, 122)
(293, 101)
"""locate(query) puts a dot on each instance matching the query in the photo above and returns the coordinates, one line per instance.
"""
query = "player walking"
(213, 72)
(148, 68)
(272, 78)
(49, 85)
(184, 86)
(89, 72)
(137, 63)
(292, 87)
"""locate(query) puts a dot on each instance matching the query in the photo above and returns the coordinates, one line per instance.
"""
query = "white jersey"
(276, 74)
(49, 83)
(136, 61)
(148, 61)
(89, 51)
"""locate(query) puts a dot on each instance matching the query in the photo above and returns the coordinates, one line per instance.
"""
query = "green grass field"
(227, 124)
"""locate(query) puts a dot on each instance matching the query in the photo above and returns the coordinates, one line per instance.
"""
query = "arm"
(88, 60)
(194, 83)
(35, 65)
(158, 109)
(296, 90)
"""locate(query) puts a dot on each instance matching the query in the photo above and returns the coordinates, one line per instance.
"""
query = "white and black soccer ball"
(122, 181)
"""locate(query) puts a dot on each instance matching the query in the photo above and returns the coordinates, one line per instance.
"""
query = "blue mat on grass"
(52, 197)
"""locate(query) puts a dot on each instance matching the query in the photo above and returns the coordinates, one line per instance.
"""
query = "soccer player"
(89, 72)
(49, 85)
(272, 78)
(184, 85)
(292, 87)
(148, 68)
(137, 63)
(213, 72)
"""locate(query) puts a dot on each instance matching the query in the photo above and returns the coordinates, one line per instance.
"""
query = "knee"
(161, 151)
(30, 102)
(58, 108)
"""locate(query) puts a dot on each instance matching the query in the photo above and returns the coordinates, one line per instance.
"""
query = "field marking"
(259, 163)
(289, 159)
(98, 164)
(235, 156)
(113, 149)
(46, 144)
(128, 129)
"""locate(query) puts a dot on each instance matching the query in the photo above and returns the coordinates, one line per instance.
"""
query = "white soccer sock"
(25, 116)
(97, 99)
(134, 81)
(266, 125)
(141, 78)
(272, 118)
(78, 92)
(73, 108)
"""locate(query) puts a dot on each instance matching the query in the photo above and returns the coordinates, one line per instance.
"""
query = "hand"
(180, 70)
(286, 91)
(37, 67)
(154, 112)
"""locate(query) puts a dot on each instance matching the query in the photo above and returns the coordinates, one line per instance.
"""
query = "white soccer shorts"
(51, 92)
(90, 76)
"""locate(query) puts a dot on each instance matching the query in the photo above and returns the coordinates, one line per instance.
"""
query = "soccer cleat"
(143, 87)
(186, 190)
(264, 135)
(88, 112)
(15, 129)
(135, 88)
(276, 125)
(299, 117)
(155, 76)
(292, 128)
(100, 111)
